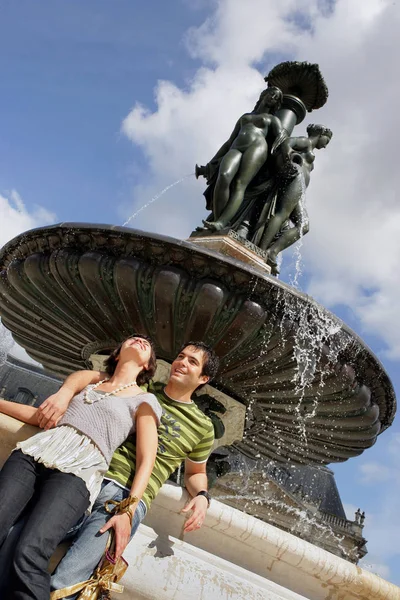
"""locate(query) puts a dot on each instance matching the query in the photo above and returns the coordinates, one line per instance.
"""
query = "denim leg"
(8, 548)
(7, 552)
(84, 555)
(18, 479)
(62, 498)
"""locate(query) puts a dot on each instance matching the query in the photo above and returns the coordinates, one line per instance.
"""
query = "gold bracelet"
(129, 512)
(120, 507)
(126, 511)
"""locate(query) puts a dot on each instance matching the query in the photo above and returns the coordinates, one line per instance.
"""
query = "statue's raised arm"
(241, 157)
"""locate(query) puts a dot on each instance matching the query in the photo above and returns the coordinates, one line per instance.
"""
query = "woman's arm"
(22, 412)
(52, 409)
(146, 450)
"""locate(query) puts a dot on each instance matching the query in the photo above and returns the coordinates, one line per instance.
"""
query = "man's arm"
(195, 477)
(52, 409)
(195, 481)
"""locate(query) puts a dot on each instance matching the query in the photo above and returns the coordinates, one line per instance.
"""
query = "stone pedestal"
(236, 247)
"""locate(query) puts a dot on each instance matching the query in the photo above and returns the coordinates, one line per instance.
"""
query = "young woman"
(57, 473)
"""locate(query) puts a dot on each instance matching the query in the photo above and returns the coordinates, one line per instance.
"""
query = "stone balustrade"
(335, 520)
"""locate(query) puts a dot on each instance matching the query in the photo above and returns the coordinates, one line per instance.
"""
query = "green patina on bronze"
(71, 290)
(257, 179)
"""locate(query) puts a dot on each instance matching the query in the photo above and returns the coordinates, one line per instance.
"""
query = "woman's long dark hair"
(146, 374)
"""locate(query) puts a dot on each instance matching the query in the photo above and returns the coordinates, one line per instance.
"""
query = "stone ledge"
(164, 568)
(270, 552)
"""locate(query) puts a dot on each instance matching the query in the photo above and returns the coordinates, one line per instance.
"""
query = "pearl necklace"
(91, 400)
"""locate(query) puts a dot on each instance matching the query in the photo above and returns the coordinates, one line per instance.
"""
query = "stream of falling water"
(306, 519)
(316, 332)
(157, 197)
(262, 497)
(295, 280)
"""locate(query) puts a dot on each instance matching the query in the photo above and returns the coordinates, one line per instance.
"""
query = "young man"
(185, 434)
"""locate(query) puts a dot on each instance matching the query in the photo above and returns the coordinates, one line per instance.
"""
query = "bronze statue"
(240, 158)
(257, 179)
(296, 156)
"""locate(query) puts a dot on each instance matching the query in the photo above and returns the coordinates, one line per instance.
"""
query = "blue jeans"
(56, 500)
(9, 546)
(89, 545)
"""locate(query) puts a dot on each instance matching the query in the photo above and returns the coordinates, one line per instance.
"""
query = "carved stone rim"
(124, 241)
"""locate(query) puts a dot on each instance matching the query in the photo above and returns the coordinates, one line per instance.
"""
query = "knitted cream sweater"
(109, 421)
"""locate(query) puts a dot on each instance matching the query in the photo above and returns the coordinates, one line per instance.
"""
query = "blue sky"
(105, 103)
(70, 73)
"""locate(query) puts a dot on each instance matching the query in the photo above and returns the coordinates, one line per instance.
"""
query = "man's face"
(187, 367)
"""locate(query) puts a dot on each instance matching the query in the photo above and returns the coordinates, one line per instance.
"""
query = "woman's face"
(138, 348)
(323, 141)
(272, 97)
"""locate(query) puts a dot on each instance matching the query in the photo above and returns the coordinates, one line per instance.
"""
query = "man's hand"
(51, 410)
(122, 529)
(199, 507)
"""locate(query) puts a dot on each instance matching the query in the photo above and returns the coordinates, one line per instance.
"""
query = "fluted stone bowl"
(315, 393)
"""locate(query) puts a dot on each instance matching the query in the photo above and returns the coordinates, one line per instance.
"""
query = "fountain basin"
(315, 392)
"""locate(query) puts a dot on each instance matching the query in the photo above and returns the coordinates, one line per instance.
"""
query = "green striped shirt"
(184, 432)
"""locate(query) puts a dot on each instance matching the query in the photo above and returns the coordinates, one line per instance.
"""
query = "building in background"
(303, 500)
(26, 383)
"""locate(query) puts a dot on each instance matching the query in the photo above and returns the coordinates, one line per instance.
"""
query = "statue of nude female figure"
(300, 151)
(242, 157)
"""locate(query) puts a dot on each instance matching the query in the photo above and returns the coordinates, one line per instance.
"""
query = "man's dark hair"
(210, 359)
(145, 374)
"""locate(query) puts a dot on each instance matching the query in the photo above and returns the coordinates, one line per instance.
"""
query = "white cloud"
(374, 472)
(22, 354)
(15, 218)
(353, 247)
(354, 243)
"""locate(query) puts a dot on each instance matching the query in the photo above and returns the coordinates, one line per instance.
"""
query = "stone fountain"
(310, 390)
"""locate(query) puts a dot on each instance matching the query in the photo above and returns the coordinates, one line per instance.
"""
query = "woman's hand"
(122, 529)
(52, 409)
